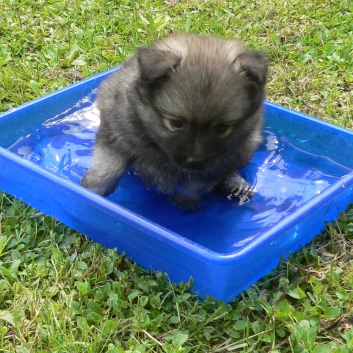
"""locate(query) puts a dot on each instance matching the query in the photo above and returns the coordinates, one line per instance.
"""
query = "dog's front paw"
(96, 183)
(188, 203)
(236, 187)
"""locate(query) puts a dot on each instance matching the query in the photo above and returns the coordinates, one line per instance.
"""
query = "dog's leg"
(186, 202)
(107, 168)
(189, 194)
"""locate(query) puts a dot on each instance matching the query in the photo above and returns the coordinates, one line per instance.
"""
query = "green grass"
(60, 292)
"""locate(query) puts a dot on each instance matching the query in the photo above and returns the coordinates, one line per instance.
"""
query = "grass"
(60, 292)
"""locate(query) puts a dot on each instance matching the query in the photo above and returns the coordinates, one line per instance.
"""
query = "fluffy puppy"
(185, 114)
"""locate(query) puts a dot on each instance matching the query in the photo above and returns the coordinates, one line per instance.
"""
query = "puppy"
(185, 113)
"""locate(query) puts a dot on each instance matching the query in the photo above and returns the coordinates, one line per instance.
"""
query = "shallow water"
(282, 175)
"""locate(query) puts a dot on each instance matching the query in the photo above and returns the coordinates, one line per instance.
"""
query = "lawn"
(61, 292)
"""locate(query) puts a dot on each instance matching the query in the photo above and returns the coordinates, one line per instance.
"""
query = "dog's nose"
(195, 163)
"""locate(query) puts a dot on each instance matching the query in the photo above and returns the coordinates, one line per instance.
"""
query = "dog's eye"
(222, 129)
(174, 124)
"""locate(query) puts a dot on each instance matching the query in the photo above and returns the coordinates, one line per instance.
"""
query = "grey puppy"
(185, 114)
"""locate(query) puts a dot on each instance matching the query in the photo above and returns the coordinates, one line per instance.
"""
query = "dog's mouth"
(196, 164)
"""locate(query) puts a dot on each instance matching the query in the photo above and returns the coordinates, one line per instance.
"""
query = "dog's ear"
(253, 65)
(155, 63)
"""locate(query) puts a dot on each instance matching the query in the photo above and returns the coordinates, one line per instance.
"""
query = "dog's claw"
(240, 189)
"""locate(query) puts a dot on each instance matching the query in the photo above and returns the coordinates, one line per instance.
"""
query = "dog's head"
(203, 98)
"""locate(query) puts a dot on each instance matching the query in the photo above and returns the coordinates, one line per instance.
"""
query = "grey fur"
(185, 113)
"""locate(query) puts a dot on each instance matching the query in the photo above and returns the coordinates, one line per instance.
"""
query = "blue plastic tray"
(302, 175)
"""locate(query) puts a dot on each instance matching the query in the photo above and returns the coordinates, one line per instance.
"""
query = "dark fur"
(209, 84)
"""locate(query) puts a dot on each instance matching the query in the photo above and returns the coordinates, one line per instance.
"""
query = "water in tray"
(282, 175)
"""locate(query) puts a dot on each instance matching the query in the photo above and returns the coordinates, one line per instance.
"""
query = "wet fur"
(205, 82)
